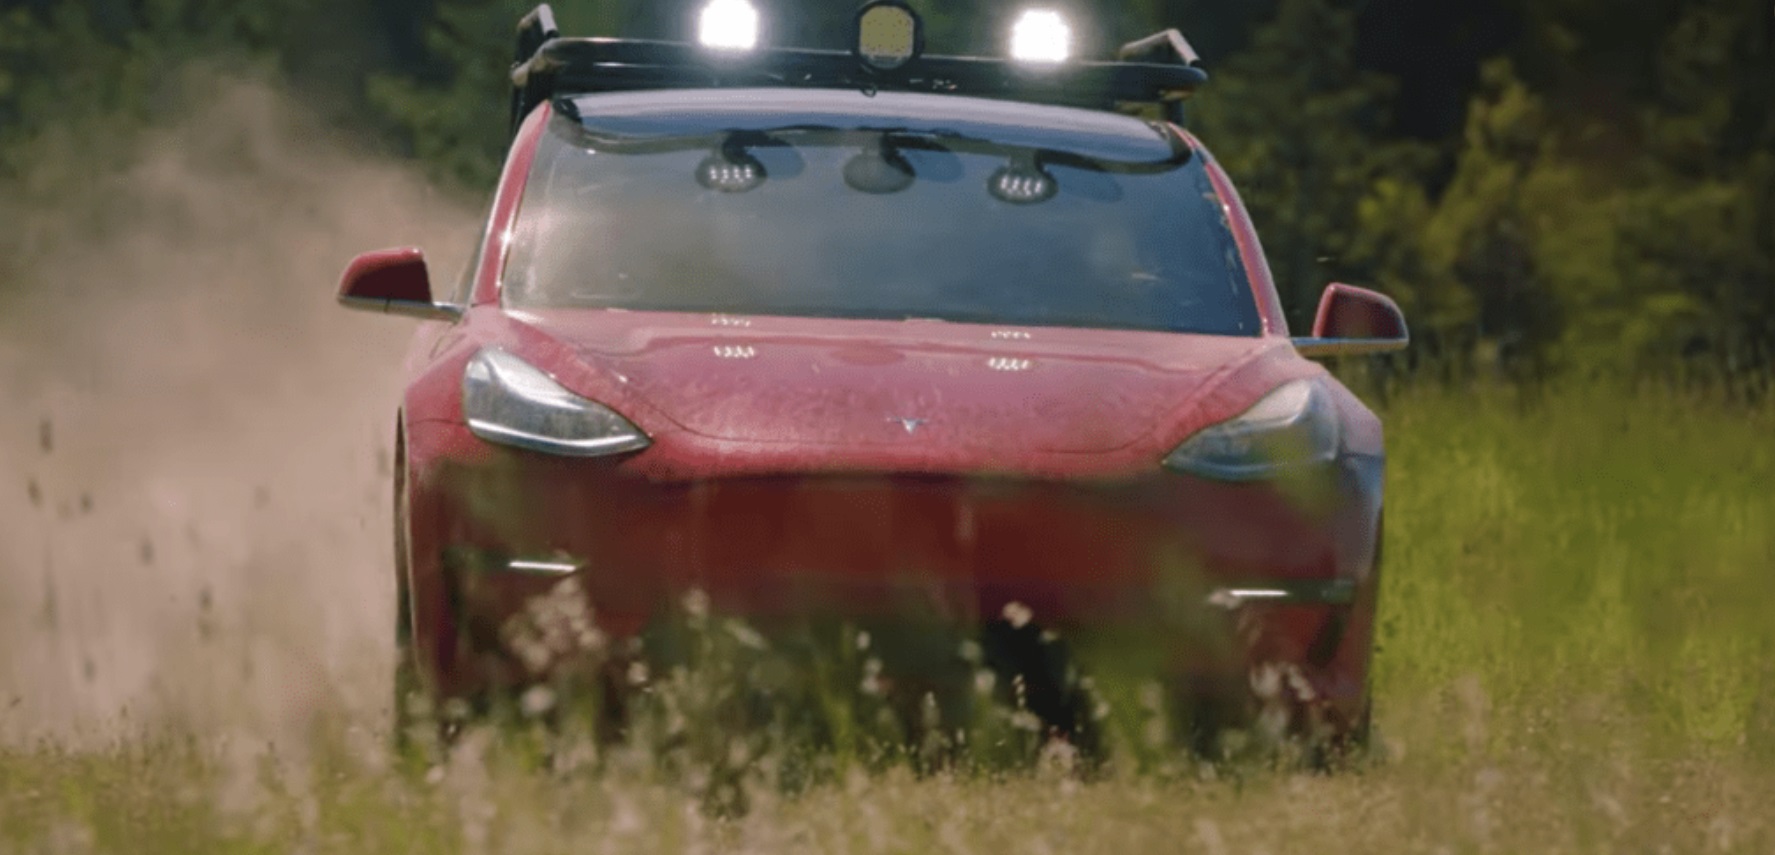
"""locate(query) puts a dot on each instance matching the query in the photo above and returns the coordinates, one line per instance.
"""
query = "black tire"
(1052, 688)
(1207, 710)
(407, 688)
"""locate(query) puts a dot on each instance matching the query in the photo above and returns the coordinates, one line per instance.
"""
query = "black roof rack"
(1160, 70)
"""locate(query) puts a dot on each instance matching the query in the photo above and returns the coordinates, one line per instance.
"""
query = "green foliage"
(1638, 241)
(451, 111)
(1298, 126)
(1565, 237)
(456, 125)
(1562, 262)
(114, 59)
(1484, 235)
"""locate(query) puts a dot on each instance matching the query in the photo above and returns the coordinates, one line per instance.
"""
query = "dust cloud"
(194, 438)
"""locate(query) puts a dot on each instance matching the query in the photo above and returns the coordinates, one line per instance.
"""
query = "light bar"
(729, 25)
(732, 39)
(1025, 185)
(730, 174)
(1041, 35)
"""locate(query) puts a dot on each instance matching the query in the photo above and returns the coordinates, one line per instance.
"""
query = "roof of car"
(691, 112)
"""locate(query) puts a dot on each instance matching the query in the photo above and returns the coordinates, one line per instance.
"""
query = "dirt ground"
(194, 437)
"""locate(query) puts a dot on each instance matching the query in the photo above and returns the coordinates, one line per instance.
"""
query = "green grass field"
(1577, 655)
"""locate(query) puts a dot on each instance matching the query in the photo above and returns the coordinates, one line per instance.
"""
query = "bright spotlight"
(729, 25)
(1041, 35)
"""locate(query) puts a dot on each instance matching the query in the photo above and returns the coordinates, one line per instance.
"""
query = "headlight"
(1292, 427)
(507, 400)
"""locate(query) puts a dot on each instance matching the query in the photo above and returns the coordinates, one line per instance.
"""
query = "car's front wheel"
(406, 686)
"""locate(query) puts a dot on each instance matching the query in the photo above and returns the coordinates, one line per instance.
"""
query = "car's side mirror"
(395, 282)
(1355, 322)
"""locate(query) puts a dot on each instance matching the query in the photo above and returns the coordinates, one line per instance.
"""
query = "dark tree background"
(1546, 186)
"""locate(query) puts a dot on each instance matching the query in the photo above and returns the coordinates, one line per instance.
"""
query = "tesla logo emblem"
(911, 425)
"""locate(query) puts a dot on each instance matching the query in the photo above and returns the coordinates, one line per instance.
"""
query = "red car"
(872, 333)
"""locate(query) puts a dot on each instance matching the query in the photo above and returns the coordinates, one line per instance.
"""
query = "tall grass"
(1587, 545)
(1575, 656)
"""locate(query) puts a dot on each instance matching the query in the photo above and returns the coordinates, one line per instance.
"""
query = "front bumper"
(1225, 574)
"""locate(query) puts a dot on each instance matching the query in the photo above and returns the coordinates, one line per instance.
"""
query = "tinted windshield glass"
(822, 221)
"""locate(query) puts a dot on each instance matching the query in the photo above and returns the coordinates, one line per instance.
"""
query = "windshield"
(889, 223)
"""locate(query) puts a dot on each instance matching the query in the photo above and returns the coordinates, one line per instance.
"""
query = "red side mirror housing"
(392, 281)
(1355, 322)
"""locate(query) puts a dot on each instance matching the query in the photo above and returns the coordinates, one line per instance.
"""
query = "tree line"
(1546, 187)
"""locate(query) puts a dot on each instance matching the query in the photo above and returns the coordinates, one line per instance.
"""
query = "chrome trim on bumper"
(543, 568)
(1329, 592)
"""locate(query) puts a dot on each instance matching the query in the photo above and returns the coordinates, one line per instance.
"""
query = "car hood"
(864, 382)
